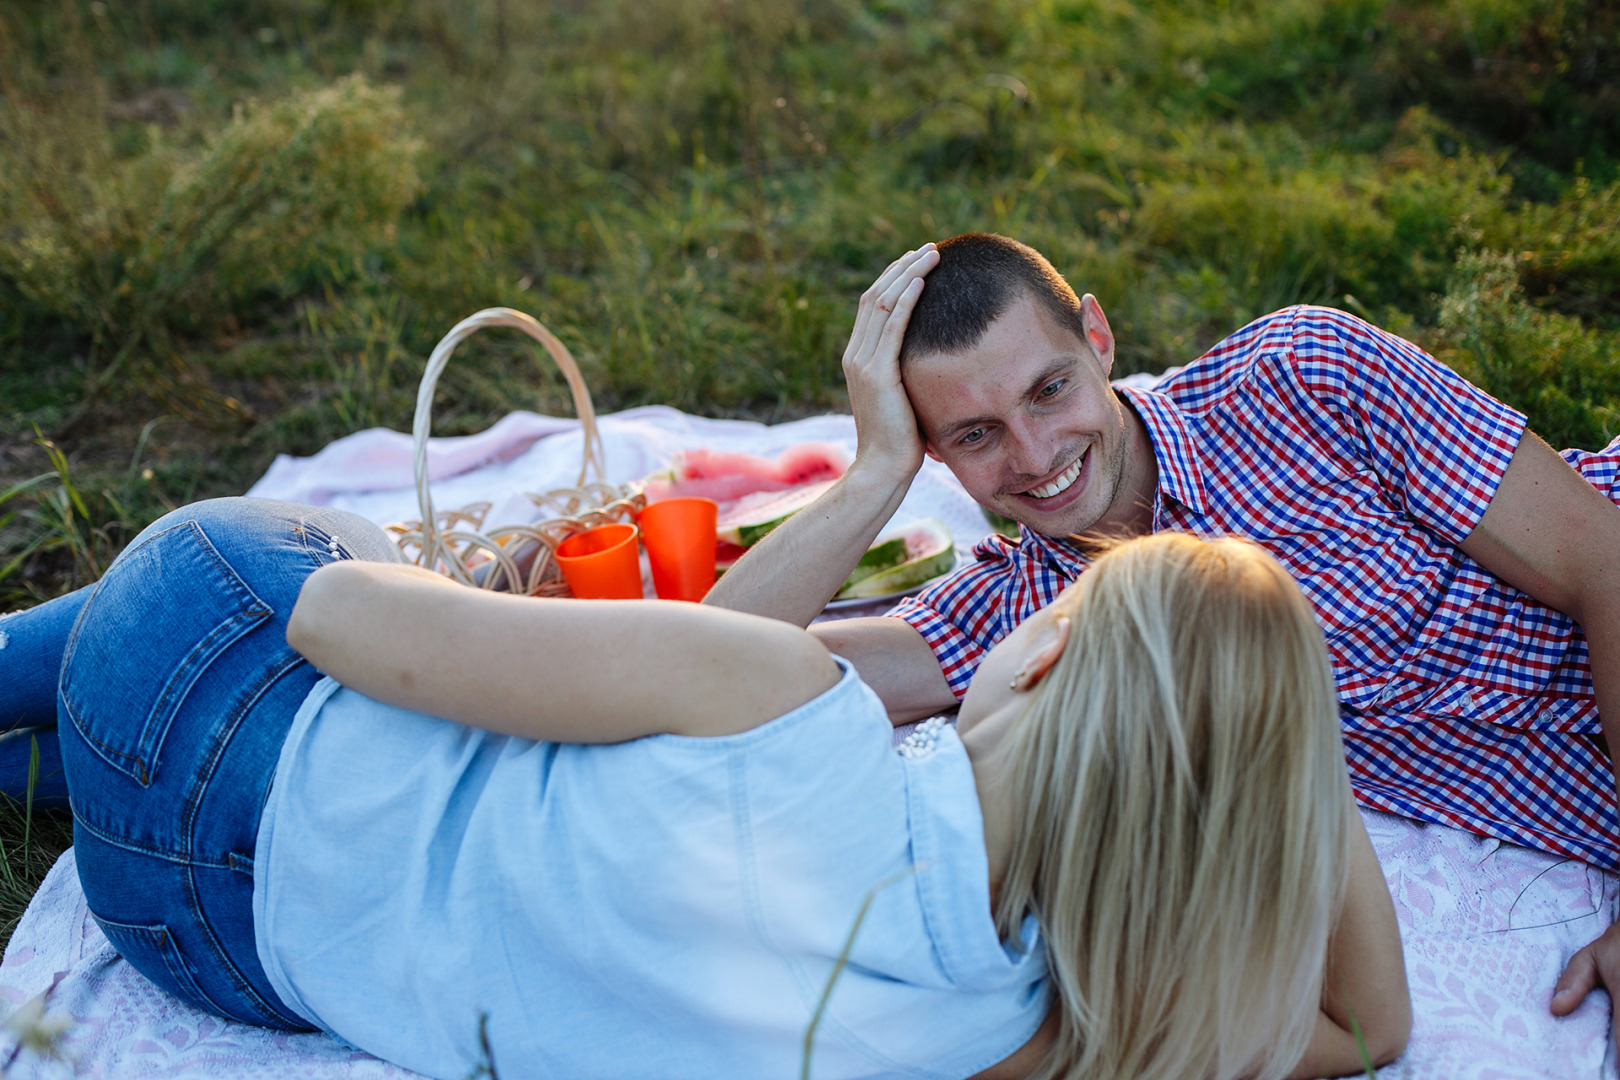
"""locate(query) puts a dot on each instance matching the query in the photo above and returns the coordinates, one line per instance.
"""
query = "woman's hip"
(177, 691)
(190, 620)
(168, 869)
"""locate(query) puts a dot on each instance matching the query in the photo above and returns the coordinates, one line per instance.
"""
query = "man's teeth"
(1061, 484)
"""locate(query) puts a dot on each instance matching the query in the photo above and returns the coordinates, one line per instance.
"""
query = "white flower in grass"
(35, 1032)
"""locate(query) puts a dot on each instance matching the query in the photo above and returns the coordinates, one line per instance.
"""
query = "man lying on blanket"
(1467, 578)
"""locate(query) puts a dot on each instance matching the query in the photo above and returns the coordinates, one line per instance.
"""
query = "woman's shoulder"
(848, 707)
(831, 758)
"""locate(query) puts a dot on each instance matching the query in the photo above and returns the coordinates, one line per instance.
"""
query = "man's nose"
(1032, 447)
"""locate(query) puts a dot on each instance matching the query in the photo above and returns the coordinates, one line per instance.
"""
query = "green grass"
(229, 230)
(30, 843)
(257, 219)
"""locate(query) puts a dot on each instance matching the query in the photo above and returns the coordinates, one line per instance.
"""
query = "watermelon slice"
(930, 552)
(895, 563)
(749, 518)
(881, 556)
(723, 475)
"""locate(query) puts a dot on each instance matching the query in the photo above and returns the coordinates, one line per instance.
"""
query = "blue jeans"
(176, 689)
(31, 644)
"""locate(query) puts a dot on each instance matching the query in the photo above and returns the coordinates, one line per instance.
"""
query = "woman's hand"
(1365, 982)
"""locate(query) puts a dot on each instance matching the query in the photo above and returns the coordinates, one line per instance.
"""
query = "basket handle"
(594, 456)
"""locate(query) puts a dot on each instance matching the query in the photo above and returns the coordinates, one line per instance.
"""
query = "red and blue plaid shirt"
(1361, 463)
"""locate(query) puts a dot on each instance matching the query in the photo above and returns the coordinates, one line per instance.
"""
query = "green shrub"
(1562, 374)
(133, 249)
(1569, 251)
(1538, 75)
(1302, 238)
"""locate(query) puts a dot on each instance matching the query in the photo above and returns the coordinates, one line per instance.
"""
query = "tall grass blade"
(21, 486)
(32, 546)
(59, 462)
(8, 865)
(28, 804)
(1367, 1065)
(486, 1053)
(842, 962)
(140, 444)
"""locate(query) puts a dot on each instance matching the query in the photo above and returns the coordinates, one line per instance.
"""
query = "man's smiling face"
(1026, 420)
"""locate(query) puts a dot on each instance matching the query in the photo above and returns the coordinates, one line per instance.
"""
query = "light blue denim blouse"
(664, 908)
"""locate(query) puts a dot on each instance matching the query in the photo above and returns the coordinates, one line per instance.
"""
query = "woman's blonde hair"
(1183, 840)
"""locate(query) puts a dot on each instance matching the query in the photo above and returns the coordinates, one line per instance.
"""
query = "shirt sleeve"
(1600, 468)
(1439, 444)
(962, 616)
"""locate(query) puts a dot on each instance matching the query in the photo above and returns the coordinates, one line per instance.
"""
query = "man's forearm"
(793, 572)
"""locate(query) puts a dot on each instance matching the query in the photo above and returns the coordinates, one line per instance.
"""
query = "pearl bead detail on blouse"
(921, 742)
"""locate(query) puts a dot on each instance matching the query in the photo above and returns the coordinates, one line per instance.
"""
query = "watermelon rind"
(884, 555)
(748, 520)
(938, 556)
(881, 556)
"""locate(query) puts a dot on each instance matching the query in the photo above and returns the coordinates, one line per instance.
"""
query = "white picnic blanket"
(1486, 929)
(1486, 926)
(372, 473)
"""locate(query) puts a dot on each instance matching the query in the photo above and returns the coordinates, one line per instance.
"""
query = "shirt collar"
(1179, 477)
(1052, 551)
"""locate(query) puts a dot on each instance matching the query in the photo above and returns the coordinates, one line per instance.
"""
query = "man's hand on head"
(887, 439)
(793, 572)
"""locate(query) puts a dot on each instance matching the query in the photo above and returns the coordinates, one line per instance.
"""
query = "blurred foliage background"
(230, 228)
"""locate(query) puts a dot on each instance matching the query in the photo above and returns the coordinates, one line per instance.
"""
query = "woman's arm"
(563, 670)
(1365, 977)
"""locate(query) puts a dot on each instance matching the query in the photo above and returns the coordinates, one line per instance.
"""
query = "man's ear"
(1043, 651)
(1099, 335)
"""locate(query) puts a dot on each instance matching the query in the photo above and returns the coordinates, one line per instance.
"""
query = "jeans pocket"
(151, 950)
(163, 613)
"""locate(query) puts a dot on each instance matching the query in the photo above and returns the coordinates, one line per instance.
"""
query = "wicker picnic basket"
(454, 542)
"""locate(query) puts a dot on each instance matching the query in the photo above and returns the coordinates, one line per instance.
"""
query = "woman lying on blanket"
(642, 834)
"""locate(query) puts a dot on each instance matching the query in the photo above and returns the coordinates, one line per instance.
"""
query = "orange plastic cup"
(680, 540)
(603, 563)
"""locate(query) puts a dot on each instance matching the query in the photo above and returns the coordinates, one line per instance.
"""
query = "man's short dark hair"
(979, 276)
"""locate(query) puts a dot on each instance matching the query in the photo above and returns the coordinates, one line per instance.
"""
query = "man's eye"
(972, 437)
(1050, 389)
